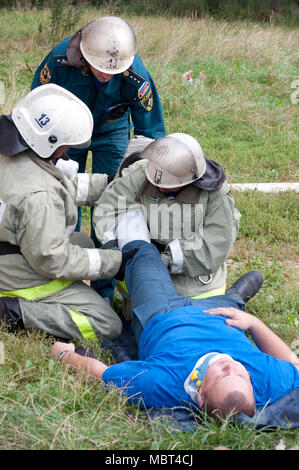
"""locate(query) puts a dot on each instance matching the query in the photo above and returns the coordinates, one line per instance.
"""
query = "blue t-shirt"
(170, 346)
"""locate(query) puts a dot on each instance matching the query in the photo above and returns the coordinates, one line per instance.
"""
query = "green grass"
(43, 406)
(242, 115)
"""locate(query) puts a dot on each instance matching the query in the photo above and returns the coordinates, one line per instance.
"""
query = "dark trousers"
(10, 312)
(152, 291)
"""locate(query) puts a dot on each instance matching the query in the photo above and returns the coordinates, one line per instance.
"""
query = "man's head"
(50, 119)
(100, 76)
(108, 45)
(227, 389)
(174, 161)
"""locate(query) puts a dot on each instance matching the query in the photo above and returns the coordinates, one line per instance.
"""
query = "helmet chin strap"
(11, 141)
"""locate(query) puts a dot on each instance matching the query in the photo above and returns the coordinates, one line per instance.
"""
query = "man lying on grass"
(193, 351)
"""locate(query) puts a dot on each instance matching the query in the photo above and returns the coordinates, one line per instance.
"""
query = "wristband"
(62, 354)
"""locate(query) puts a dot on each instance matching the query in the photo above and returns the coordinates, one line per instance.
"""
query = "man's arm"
(204, 250)
(147, 114)
(89, 188)
(89, 364)
(265, 339)
(116, 200)
(41, 237)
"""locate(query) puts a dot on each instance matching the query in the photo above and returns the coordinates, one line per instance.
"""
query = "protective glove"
(120, 275)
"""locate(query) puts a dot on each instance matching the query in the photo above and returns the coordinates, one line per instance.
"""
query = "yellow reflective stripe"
(33, 293)
(211, 293)
(83, 325)
(123, 285)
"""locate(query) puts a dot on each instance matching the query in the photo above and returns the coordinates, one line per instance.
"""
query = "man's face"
(101, 76)
(225, 376)
(60, 151)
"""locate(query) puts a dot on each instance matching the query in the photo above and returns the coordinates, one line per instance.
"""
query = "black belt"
(7, 248)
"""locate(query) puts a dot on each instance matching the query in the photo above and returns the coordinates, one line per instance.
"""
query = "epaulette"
(60, 60)
(144, 91)
(46, 74)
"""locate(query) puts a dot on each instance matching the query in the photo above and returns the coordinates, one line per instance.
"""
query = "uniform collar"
(45, 164)
(73, 51)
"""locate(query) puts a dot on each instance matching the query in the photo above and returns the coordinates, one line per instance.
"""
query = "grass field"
(243, 116)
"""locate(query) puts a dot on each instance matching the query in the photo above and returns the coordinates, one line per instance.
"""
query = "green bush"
(255, 10)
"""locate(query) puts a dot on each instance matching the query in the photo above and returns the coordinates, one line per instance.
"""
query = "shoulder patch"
(147, 101)
(45, 75)
(144, 91)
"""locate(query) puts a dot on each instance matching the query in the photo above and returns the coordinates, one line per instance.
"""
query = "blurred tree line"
(286, 11)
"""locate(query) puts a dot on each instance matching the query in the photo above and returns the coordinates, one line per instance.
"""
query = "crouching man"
(189, 210)
(42, 266)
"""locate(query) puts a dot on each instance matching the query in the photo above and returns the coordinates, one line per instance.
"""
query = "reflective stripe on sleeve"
(94, 262)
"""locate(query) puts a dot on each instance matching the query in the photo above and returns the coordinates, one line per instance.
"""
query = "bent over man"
(41, 270)
(189, 209)
(100, 66)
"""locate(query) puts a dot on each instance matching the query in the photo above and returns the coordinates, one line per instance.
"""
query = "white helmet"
(108, 44)
(49, 117)
(174, 161)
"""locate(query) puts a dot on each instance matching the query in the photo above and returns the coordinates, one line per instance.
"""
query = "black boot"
(246, 286)
(10, 312)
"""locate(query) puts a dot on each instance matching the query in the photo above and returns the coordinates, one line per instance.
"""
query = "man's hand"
(237, 318)
(265, 339)
(89, 364)
(58, 347)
